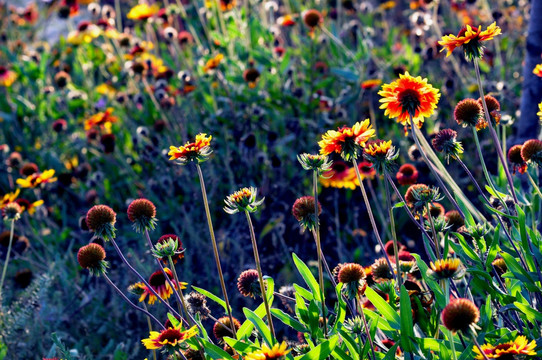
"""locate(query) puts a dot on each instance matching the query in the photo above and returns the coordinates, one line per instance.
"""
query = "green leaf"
(214, 351)
(322, 351)
(407, 327)
(384, 308)
(240, 346)
(247, 326)
(211, 296)
(531, 314)
(288, 320)
(260, 325)
(308, 277)
(304, 293)
(399, 205)
(173, 319)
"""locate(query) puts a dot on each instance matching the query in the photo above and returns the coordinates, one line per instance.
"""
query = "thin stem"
(215, 248)
(433, 171)
(124, 260)
(449, 333)
(119, 15)
(478, 346)
(435, 237)
(7, 256)
(393, 235)
(319, 249)
(183, 302)
(493, 133)
(533, 183)
(260, 276)
(371, 217)
(473, 180)
(366, 326)
(132, 304)
(150, 329)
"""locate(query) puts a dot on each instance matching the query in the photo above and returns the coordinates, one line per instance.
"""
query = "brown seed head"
(248, 283)
(468, 112)
(91, 256)
(312, 18)
(459, 315)
(223, 327)
(531, 149)
(141, 209)
(351, 273)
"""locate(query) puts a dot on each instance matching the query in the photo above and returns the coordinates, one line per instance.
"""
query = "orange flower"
(142, 11)
(378, 148)
(37, 179)
(278, 351)
(347, 141)
(520, 346)
(409, 96)
(160, 284)
(172, 338)
(370, 84)
(213, 62)
(102, 119)
(198, 150)
(470, 39)
(286, 20)
(7, 77)
(538, 70)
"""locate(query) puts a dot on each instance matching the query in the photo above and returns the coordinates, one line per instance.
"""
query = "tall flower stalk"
(244, 200)
(6, 262)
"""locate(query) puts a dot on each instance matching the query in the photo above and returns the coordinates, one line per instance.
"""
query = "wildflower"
(197, 304)
(347, 141)
(7, 77)
(304, 212)
(28, 169)
(171, 339)
(160, 284)
(251, 76)
(23, 278)
(508, 350)
(493, 108)
(407, 174)
(28, 206)
(169, 245)
(101, 219)
(242, 200)
(319, 163)
(248, 283)
(514, 157)
(312, 18)
(142, 213)
(436, 210)
(370, 84)
(354, 325)
(446, 143)
(471, 39)
(409, 96)
(460, 315)
(185, 38)
(223, 327)
(446, 269)
(381, 270)
(137, 288)
(286, 20)
(85, 33)
(213, 62)
(390, 250)
(351, 276)
(278, 351)
(142, 11)
(382, 155)
(340, 176)
(411, 199)
(199, 150)
(12, 211)
(538, 70)
(62, 79)
(37, 179)
(531, 151)
(60, 125)
(101, 119)
(92, 257)
(540, 112)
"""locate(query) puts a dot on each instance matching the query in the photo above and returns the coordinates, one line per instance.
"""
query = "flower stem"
(393, 235)
(433, 171)
(215, 248)
(366, 326)
(260, 276)
(478, 346)
(371, 217)
(493, 133)
(150, 329)
(5, 269)
(131, 303)
(183, 302)
(533, 183)
(319, 249)
(449, 333)
(435, 237)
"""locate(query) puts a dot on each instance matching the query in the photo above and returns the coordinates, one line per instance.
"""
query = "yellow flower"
(106, 89)
(266, 353)
(9, 197)
(540, 112)
(213, 62)
(378, 147)
(538, 70)
(101, 119)
(85, 33)
(37, 179)
(199, 150)
(470, 39)
(171, 339)
(520, 346)
(142, 11)
(7, 77)
(347, 141)
(370, 84)
(409, 96)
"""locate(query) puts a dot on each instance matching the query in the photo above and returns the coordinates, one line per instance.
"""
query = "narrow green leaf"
(211, 296)
(260, 325)
(322, 351)
(214, 351)
(308, 277)
(288, 320)
(384, 308)
(407, 332)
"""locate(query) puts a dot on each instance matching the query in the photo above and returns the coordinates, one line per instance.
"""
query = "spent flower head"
(515, 158)
(142, 213)
(445, 141)
(92, 258)
(199, 150)
(243, 200)
(101, 220)
(304, 212)
(460, 315)
(318, 163)
(531, 152)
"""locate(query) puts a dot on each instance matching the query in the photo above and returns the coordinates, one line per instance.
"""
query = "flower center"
(409, 100)
(3, 70)
(157, 279)
(170, 335)
(407, 171)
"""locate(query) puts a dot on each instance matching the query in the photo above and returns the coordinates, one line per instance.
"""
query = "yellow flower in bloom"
(520, 346)
(266, 353)
(470, 39)
(538, 70)
(171, 339)
(7, 77)
(160, 284)
(213, 62)
(225, 5)
(343, 177)
(28, 206)
(85, 33)
(106, 89)
(9, 197)
(540, 112)
(37, 179)
(387, 5)
(409, 96)
(242, 200)
(142, 11)
(378, 148)
(347, 141)
(102, 119)
(199, 150)
(370, 84)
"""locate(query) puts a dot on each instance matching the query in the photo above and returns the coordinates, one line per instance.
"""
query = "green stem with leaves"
(393, 235)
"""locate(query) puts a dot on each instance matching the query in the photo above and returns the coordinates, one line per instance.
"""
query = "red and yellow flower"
(347, 141)
(37, 179)
(538, 70)
(143, 11)
(409, 96)
(28, 206)
(470, 39)
(278, 351)
(8, 198)
(160, 284)
(370, 84)
(198, 150)
(539, 113)
(101, 119)
(171, 339)
(213, 62)
(520, 346)
(7, 77)
(85, 33)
